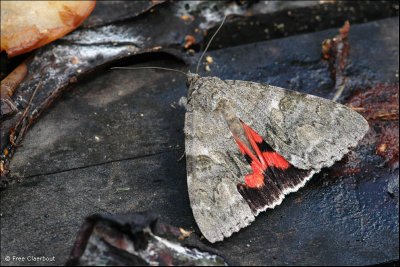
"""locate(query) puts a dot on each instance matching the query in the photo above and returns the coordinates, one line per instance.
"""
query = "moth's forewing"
(309, 131)
(214, 166)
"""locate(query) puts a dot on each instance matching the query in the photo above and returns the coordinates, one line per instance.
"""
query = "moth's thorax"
(191, 78)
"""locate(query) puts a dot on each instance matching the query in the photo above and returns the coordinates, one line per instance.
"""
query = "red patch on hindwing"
(254, 180)
(272, 177)
(266, 157)
(257, 138)
(273, 159)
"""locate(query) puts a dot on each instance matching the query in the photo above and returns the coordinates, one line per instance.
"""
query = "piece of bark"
(138, 239)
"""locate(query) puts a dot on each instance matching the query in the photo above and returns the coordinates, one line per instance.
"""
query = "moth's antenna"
(140, 68)
(205, 50)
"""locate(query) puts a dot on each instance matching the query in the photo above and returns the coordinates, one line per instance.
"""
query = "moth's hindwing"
(232, 127)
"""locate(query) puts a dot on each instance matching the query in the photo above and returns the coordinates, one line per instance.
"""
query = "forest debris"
(380, 106)
(8, 85)
(336, 51)
(27, 25)
(137, 239)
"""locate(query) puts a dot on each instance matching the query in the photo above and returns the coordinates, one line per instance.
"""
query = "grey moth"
(248, 145)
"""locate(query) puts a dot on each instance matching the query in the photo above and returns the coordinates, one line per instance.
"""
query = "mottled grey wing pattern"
(287, 120)
(214, 167)
(308, 131)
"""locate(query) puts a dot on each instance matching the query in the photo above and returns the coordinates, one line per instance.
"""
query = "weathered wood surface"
(124, 129)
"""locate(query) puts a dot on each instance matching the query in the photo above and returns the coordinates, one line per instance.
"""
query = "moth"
(247, 145)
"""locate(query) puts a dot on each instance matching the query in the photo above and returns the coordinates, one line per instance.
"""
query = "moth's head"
(191, 78)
